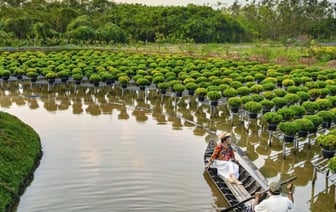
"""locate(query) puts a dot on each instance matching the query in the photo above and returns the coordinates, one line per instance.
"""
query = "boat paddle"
(252, 197)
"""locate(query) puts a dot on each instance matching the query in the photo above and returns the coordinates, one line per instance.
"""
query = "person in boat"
(223, 158)
(275, 202)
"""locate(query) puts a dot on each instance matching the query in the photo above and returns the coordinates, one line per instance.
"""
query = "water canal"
(109, 149)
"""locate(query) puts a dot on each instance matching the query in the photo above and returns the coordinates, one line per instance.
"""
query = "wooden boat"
(238, 197)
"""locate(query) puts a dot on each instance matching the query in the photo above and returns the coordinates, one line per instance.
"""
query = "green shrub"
(272, 117)
(289, 127)
(327, 141)
(332, 164)
(214, 95)
(235, 101)
(253, 107)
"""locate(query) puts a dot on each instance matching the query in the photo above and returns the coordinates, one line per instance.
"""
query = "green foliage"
(123, 79)
(299, 110)
(235, 101)
(305, 124)
(95, 78)
(201, 91)
(142, 82)
(332, 164)
(289, 127)
(20, 152)
(163, 85)
(267, 104)
(178, 87)
(230, 92)
(253, 107)
(214, 95)
(286, 113)
(327, 116)
(191, 86)
(327, 141)
(317, 120)
(272, 117)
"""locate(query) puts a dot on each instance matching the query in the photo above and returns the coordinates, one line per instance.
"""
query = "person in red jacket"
(223, 158)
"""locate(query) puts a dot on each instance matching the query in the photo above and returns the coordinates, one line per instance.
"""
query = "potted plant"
(95, 79)
(32, 75)
(64, 75)
(328, 144)
(314, 93)
(306, 125)
(279, 102)
(327, 117)
(201, 93)
(267, 105)
(163, 86)
(292, 98)
(77, 77)
(304, 96)
(142, 83)
(191, 87)
(178, 88)
(123, 80)
(253, 108)
(289, 128)
(230, 92)
(19, 72)
(324, 104)
(107, 77)
(332, 164)
(287, 113)
(51, 76)
(272, 119)
(213, 96)
(311, 107)
(299, 110)
(235, 103)
(317, 120)
(4, 74)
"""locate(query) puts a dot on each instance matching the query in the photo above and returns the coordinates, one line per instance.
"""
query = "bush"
(332, 164)
(286, 113)
(298, 110)
(230, 92)
(272, 117)
(289, 127)
(253, 107)
(142, 82)
(123, 79)
(235, 101)
(327, 141)
(327, 116)
(279, 101)
(201, 91)
(178, 88)
(163, 85)
(323, 104)
(311, 107)
(267, 104)
(214, 95)
(305, 124)
(317, 120)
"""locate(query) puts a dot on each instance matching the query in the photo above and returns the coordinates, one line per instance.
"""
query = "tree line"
(41, 22)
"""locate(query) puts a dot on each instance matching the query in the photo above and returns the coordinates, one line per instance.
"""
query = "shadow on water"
(251, 135)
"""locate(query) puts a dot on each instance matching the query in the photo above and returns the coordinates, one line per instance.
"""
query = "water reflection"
(178, 114)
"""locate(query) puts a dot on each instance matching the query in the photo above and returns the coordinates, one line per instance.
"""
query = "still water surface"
(109, 149)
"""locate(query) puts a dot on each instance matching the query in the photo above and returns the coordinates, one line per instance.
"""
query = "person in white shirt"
(275, 202)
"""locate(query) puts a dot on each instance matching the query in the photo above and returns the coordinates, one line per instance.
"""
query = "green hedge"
(20, 152)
